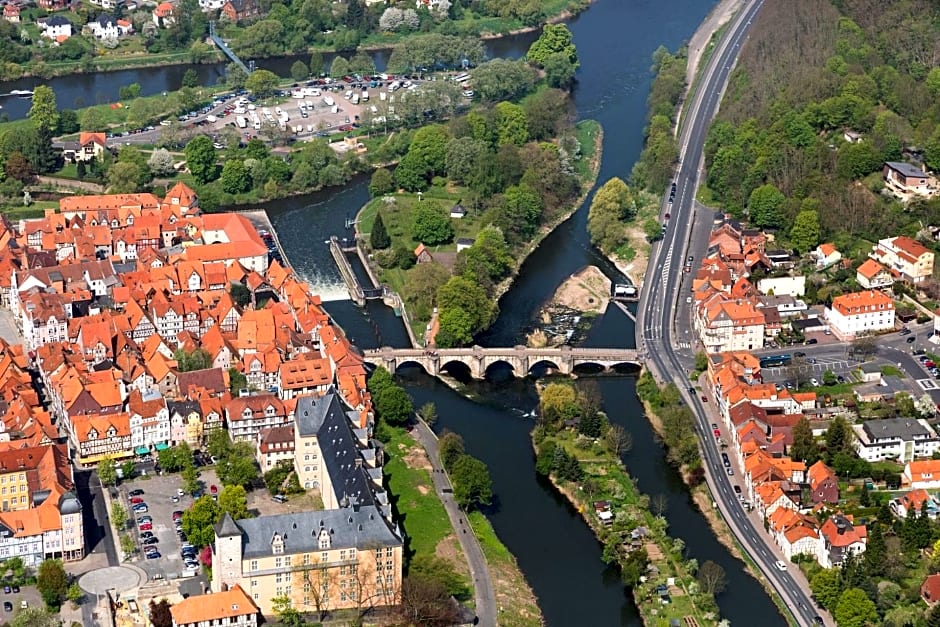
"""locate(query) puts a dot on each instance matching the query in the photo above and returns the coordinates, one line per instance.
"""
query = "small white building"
(55, 27)
(794, 286)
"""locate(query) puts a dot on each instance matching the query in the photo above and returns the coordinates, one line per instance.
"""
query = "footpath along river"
(556, 550)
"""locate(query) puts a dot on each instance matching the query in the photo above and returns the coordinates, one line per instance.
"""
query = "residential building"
(841, 538)
(56, 26)
(930, 589)
(873, 276)
(339, 558)
(41, 516)
(240, 10)
(794, 286)
(11, 13)
(794, 533)
(163, 15)
(903, 439)
(913, 503)
(149, 420)
(906, 257)
(860, 313)
(94, 437)
(823, 483)
(826, 255)
(726, 324)
(246, 416)
(90, 146)
(922, 473)
(109, 27)
(231, 607)
(211, 5)
(906, 180)
(275, 444)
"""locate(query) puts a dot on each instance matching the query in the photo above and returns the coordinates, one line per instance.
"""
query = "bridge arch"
(543, 366)
(411, 363)
(500, 370)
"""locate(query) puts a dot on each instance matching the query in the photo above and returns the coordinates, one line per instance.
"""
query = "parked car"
(136, 500)
(146, 534)
(16, 589)
(141, 508)
(213, 490)
(154, 555)
(150, 540)
(737, 489)
(911, 340)
(136, 492)
(7, 606)
(814, 382)
(7, 589)
(704, 398)
(177, 515)
(730, 472)
(145, 526)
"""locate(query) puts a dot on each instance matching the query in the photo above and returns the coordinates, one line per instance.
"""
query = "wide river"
(556, 550)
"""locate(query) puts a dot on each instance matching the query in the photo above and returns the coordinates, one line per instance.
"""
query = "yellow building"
(349, 558)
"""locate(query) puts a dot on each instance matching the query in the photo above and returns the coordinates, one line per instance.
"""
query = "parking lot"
(813, 367)
(29, 594)
(159, 492)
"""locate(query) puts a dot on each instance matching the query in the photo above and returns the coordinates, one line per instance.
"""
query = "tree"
(44, 113)
(765, 205)
(429, 145)
(855, 609)
(190, 79)
(804, 234)
(559, 72)
(161, 162)
(428, 413)
(107, 472)
(238, 467)
(381, 183)
(450, 448)
(75, 594)
(198, 359)
(827, 586)
(711, 577)
(118, 515)
(472, 483)
(35, 617)
(129, 92)
(123, 178)
(612, 204)
(17, 167)
(299, 70)
(462, 157)
(411, 173)
(431, 224)
(378, 238)
(488, 260)
(464, 309)
(159, 613)
(286, 613)
(190, 478)
(199, 519)
(380, 379)
(558, 401)
(339, 67)
(68, 122)
(426, 601)
(618, 440)
(201, 158)
(502, 79)
(237, 381)
(80, 170)
(804, 443)
(547, 111)
(233, 500)
(394, 406)
(875, 551)
(512, 126)
(555, 38)
(439, 569)
(838, 438)
(235, 177)
(262, 83)
(52, 583)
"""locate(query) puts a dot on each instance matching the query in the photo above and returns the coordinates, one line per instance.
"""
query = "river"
(556, 550)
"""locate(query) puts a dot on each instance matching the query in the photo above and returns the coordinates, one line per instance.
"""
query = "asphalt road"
(95, 516)
(663, 331)
(484, 595)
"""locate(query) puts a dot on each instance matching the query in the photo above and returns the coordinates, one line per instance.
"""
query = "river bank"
(209, 54)
(693, 478)
(588, 470)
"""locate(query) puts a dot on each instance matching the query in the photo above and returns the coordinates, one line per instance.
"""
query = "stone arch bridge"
(520, 358)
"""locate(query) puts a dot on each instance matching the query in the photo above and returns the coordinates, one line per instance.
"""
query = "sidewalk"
(482, 582)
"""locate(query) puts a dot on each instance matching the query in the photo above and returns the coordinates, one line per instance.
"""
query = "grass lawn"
(421, 513)
(587, 132)
(35, 210)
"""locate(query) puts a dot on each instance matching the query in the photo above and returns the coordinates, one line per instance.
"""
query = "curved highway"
(663, 310)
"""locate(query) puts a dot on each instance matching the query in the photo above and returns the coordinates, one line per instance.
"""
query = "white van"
(348, 94)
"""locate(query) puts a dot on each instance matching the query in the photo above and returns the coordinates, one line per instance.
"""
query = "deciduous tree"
(555, 38)
(431, 225)
(855, 609)
(472, 483)
(233, 500)
(450, 448)
(199, 519)
(262, 82)
(711, 577)
(299, 70)
(201, 158)
(107, 471)
(394, 406)
(52, 583)
(44, 113)
(512, 126)
(464, 310)
(381, 183)
(805, 231)
(765, 206)
(159, 613)
(235, 177)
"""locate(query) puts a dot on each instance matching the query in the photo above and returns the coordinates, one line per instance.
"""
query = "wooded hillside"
(810, 71)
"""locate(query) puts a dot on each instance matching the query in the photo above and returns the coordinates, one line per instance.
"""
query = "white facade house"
(794, 286)
(860, 313)
(903, 439)
(55, 27)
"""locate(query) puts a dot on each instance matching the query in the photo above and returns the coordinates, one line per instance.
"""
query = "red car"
(213, 490)
(136, 499)
(930, 364)
(717, 433)
(704, 398)
(145, 526)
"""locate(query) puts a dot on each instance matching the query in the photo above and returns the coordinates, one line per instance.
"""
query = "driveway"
(8, 330)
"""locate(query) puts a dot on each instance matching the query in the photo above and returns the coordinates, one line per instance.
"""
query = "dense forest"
(812, 70)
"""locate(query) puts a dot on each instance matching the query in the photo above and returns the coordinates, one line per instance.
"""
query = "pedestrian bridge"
(520, 358)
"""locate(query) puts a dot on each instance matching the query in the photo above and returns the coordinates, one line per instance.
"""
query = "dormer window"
(324, 539)
(277, 544)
